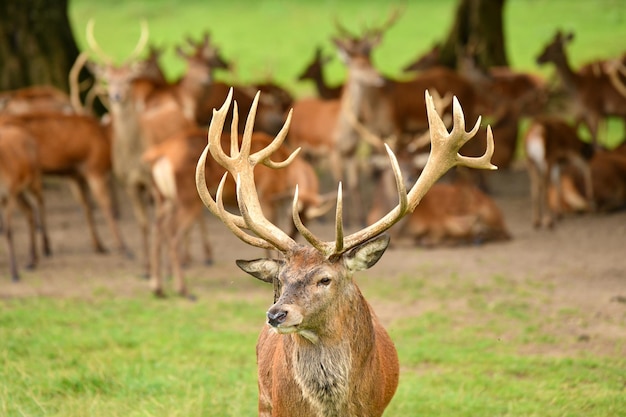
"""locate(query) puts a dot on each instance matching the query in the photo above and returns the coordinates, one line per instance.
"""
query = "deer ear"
(264, 269)
(367, 254)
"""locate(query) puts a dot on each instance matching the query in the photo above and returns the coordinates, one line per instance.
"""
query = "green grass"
(146, 357)
(276, 38)
(480, 349)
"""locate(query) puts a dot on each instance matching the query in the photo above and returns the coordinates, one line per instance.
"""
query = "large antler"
(444, 155)
(240, 164)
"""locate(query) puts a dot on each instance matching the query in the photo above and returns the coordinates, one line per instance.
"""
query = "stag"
(319, 315)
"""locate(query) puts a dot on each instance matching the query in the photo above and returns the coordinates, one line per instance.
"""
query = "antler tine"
(141, 43)
(229, 220)
(263, 155)
(207, 199)
(93, 45)
(443, 156)
(240, 164)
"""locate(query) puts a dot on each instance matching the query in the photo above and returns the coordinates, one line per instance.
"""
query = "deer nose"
(276, 317)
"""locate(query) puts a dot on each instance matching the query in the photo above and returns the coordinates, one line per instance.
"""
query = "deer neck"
(326, 369)
(568, 76)
(191, 90)
(127, 144)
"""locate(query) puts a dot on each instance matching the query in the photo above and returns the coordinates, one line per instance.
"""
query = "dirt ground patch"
(577, 272)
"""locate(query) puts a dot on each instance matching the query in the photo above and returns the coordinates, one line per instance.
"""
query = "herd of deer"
(154, 142)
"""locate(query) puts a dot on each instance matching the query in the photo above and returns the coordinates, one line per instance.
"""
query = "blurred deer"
(319, 315)
(550, 144)
(20, 184)
(593, 97)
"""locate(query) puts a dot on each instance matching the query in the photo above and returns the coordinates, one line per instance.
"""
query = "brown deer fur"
(76, 147)
(593, 96)
(20, 180)
(550, 144)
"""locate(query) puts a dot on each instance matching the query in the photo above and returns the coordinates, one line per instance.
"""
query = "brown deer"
(593, 97)
(20, 182)
(450, 214)
(143, 113)
(608, 178)
(76, 147)
(315, 72)
(41, 98)
(550, 144)
(319, 315)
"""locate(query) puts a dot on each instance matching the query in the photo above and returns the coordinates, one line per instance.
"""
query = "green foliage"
(278, 37)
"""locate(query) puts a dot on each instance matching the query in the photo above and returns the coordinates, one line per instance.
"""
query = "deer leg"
(37, 193)
(7, 210)
(28, 211)
(535, 191)
(79, 188)
(101, 190)
(180, 229)
(140, 213)
(160, 220)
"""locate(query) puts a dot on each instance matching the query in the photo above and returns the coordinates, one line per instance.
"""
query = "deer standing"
(323, 352)
(145, 112)
(550, 144)
(20, 182)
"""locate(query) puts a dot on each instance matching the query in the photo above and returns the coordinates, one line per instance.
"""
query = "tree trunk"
(37, 45)
(477, 30)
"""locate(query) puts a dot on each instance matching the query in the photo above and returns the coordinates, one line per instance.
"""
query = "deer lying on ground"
(593, 97)
(173, 164)
(76, 147)
(550, 144)
(608, 178)
(42, 98)
(319, 314)
(20, 183)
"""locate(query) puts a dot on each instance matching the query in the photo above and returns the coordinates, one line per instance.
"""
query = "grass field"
(106, 355)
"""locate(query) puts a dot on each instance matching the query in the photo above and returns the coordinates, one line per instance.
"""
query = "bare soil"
(575, 274)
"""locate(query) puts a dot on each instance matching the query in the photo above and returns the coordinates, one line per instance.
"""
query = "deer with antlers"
(594, 97)
(323, 352)
(145, 112)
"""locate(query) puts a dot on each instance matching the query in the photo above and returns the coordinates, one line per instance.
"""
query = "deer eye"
(324, 281)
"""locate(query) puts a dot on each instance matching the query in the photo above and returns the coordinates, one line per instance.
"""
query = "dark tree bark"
(477, 30)
(37, 45)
